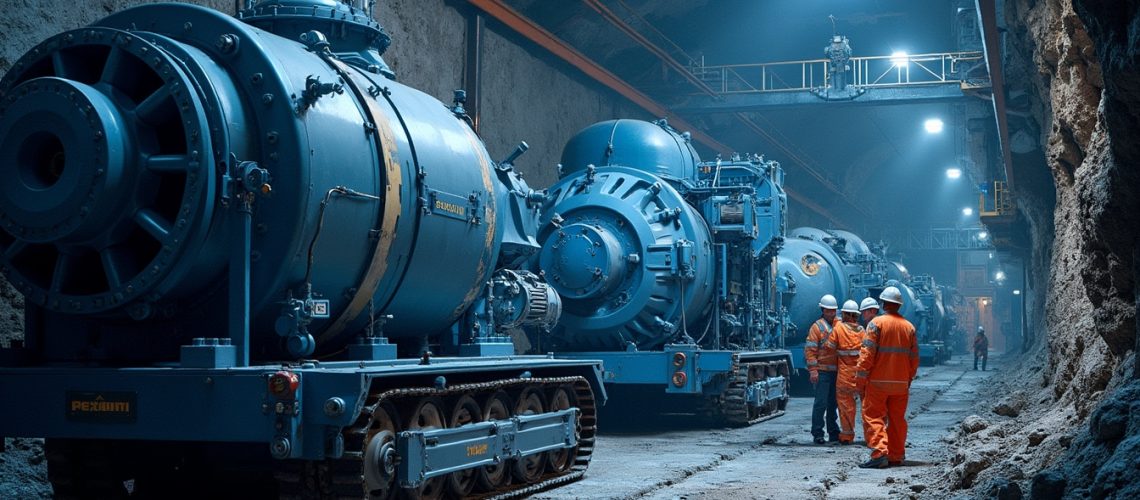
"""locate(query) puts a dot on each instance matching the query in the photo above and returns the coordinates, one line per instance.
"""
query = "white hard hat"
(828, 302)
(850, 307)
(891, 294)
(980, 329)
(868, 303)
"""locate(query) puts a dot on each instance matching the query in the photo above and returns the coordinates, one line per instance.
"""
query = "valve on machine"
(293, 323)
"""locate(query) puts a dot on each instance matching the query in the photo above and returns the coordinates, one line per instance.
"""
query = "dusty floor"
(776, 459)
(773, 459)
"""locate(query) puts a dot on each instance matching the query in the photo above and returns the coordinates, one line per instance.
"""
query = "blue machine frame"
(170, 163)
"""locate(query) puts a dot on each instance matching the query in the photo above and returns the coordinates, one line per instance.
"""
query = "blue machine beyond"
(666, 267)
(815, 262)
(219, 224)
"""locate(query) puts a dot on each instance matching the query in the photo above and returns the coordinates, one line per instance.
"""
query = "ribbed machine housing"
(116, 219)
(630, 258)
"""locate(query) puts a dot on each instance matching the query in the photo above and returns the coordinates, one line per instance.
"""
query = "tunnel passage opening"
(42, 159)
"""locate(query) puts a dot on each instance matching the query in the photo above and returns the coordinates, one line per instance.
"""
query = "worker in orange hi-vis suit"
(819, 352)
(888, 363)
(848, 338)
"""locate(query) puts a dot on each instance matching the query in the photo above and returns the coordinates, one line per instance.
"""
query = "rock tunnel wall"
(1060, 418)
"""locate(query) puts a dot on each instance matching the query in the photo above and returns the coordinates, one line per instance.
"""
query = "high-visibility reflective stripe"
(869, 343)
(823, 325)
(829, 367)
(813, 362)
(811, 344)
(895, 350)
(849, 353)
(861, 374)
(831, 344)
(873, 326)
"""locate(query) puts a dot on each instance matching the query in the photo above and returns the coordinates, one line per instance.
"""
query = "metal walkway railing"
(863, 72)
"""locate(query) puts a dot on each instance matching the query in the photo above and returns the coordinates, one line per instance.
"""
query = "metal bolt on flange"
(334, 407)
(280, 447)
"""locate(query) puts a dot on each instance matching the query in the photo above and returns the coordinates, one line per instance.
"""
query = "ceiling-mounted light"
(932, 126)
(1000, 275)
(900, 58)
(983, 235)
(967, 211)
(1017, 292)
(953, 173)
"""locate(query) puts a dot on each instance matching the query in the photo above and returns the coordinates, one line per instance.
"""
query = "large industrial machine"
(666, 269)
(814, 262)
(218, 224)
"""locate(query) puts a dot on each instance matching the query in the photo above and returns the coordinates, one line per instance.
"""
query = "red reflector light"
(283, 384)
(679, 379)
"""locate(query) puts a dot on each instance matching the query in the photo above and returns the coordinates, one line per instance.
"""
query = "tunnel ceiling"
(877, 156)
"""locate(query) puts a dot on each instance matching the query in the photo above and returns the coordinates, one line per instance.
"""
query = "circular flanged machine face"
(627, 255)
(105, 153)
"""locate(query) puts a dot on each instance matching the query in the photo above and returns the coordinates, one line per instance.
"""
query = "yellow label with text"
(477, 450)
(450, 208)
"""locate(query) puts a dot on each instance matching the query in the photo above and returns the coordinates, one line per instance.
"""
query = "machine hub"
(62, 158)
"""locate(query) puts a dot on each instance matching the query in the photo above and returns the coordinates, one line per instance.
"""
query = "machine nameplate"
(477, 450)
(102, 407)
(450, 205)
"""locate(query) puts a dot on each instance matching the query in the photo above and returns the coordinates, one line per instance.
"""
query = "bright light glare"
(967, 211)
(933, 125)
(953, 173)
(985, 302)
(1017, 292)
(983, 235)
(1000, 275)
(899, 58)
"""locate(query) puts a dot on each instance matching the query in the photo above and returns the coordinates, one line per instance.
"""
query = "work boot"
(820, 440)
(875, 463)
(894, 463)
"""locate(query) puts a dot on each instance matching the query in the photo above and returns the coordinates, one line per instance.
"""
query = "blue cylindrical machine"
(630, 258)
(842, 264)
(665, 264)
(814, 269)
(133, 145)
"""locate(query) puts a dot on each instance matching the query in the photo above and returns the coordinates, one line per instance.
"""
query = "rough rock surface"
(1075, 62)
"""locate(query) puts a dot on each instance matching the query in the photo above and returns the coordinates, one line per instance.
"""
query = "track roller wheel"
(492, 477)
(465, 411)
(530, 468)
(428, 414)
(380, 453)
(561, 398)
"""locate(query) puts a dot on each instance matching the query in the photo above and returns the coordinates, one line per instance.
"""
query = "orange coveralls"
(888, 362)
(848, 339)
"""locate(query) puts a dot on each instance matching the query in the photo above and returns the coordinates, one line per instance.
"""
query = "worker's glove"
(814, 377)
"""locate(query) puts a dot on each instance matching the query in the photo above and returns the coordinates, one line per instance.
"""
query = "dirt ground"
(776, 459)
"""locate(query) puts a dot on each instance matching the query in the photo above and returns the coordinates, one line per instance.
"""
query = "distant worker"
(981, 348)
(869, 308)
(848, 340)
(822, 364)
(888, 363)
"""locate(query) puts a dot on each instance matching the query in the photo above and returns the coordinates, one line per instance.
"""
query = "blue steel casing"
(634, 201)
(649, 146)
(177, 172)
(629, 257)
(815, 270)
(839, 263)
(436, 195)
